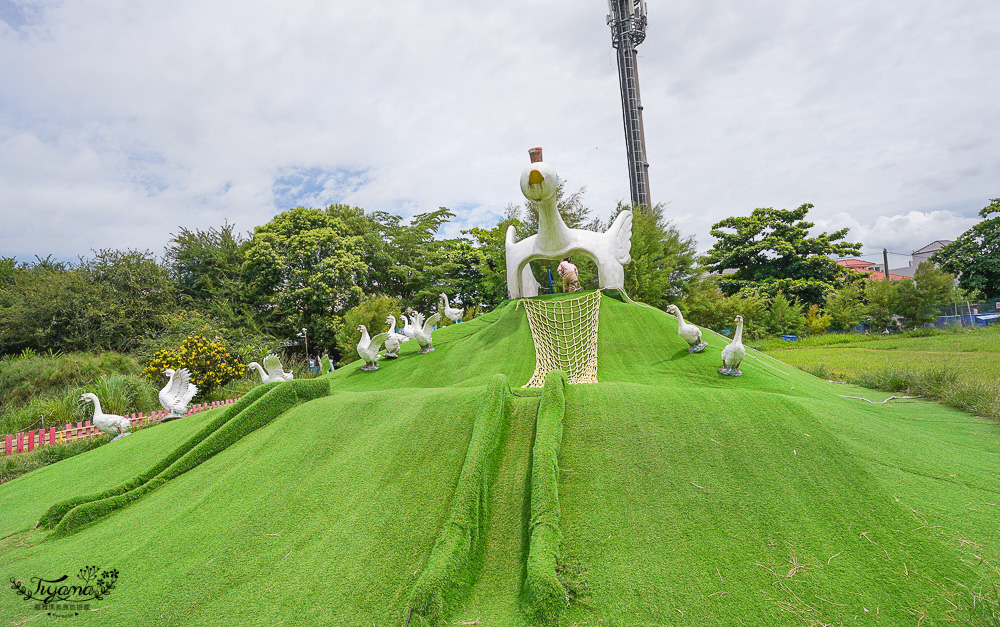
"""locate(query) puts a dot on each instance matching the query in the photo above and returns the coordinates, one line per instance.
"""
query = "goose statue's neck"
(392, 323)
(447, 305)
(97, 404)
(680, 318)
(552, 231)
(260, 370)
(739, 332)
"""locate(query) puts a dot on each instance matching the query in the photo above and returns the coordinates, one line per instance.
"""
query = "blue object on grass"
(790, 338)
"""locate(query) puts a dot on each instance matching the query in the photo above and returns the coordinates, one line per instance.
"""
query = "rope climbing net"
(565, 337)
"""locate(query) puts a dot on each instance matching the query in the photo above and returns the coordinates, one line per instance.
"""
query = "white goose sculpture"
(688, 332)
(609, 250)
(369, 347)
(732, 355)
(107, 423)
(422, 331)
(455, 315)
(395, 340)
(177, 393)
(272, 370)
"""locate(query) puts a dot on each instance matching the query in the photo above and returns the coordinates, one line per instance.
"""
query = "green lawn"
(686, 497)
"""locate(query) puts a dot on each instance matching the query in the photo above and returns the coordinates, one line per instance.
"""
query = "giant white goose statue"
(272, 370)
(555, 240)
(395, 340)
(177, 393)
(369, 347)
(422, 331)
(455, 315)
(688, 332)
(107, 423)
(733, 354)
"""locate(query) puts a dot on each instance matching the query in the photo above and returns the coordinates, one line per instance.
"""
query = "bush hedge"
(456, 559)
(545, 597)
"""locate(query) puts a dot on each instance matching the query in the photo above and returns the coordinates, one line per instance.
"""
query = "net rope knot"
(565, 337)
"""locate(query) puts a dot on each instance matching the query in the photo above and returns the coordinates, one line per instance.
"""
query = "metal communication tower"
(628, 29)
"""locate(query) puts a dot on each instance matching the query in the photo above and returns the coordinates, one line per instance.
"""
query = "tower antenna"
(627, 20)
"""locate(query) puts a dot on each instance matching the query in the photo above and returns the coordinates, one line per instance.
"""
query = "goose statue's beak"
(535, 177)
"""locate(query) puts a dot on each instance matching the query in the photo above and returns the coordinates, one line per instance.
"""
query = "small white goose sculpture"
(395, 340)
(272, 370)
(422, 331)
(732, 355)
(455, 315)
(369, 347)
(107, 423)
(177, 393)
(688, 332)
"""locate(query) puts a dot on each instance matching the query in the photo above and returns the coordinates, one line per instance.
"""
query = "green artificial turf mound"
(438, 491)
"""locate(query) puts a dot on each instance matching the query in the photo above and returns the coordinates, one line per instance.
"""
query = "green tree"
(663, 261)
(771, 251)
(845, 306)
(304, 268)
(881, 302)
(785, 316)
(975, 256)
(816, 322)
(917, 298)
(206, 264)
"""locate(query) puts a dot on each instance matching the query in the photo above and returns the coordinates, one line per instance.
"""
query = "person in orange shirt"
(570, 275)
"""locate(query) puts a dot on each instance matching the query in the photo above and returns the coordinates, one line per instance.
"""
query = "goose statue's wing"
(622, 229)
(273, 365)
(417, 320)
(376, 344)
(431, 322)
(182, 379)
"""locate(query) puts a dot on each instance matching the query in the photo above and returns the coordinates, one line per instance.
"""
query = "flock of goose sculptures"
(178, 392)
(415, 328)
(732, 355)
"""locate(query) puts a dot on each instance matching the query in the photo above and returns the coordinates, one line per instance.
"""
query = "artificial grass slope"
(685, 497)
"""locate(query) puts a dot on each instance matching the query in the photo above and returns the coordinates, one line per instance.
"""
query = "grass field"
(957, 367)
(685, 497)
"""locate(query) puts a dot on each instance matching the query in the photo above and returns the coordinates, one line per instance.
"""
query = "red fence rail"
(29, 441)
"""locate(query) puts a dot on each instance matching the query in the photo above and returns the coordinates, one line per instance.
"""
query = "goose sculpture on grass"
(732, 355)
(395, 340)
(272, 370)
(688, 332)
(107, 423)
(177, 393)
(455, 315)
(369, 347)
(422, 331)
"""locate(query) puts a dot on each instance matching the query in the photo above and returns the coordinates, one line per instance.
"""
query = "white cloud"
(124, 121)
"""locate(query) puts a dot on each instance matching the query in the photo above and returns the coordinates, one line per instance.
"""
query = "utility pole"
(885, 263)
(627, 19)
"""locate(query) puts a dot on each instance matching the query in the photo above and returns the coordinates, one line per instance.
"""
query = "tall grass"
(941, 384)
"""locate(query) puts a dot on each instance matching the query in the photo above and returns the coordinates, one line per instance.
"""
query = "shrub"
(816, 321)
(211, 363)
(371, 313)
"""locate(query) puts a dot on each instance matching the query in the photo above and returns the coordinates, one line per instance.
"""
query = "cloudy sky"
(122, 121)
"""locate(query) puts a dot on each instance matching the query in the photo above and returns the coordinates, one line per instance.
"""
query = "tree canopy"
(771, 251)
(975, 255)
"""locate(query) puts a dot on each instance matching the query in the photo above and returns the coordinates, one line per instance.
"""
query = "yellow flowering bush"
(210, 363)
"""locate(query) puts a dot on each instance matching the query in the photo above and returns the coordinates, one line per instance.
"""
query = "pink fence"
(26, 442)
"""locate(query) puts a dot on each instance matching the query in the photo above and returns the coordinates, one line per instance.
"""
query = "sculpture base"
(697, 348)
(120, 436)
(172, 417)
(390, 356)
(424, 351)
(370, 368)
(730, 372)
